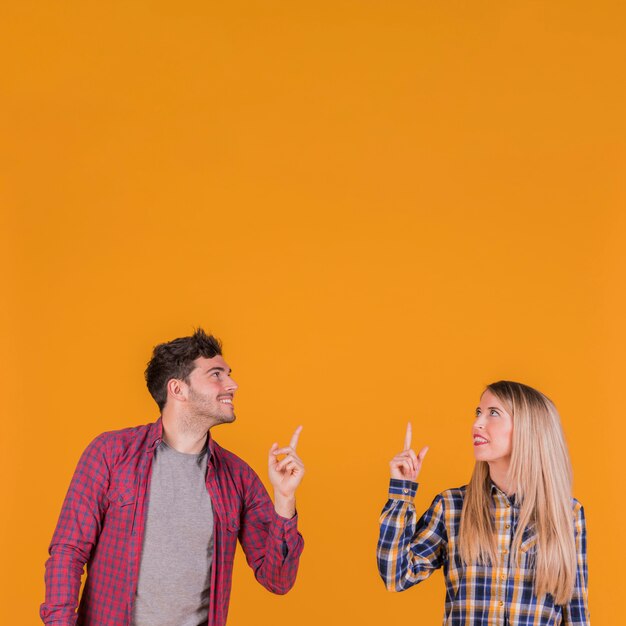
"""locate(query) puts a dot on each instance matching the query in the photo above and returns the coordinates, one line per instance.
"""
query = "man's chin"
(226, 419)
(216, 420)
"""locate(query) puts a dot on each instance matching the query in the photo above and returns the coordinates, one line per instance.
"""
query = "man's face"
(211, 391)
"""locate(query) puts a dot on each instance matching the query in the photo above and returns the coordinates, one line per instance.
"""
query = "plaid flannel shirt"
(102, 525)
(409, 551)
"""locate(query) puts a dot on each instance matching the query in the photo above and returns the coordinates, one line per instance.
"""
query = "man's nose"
(231, 385)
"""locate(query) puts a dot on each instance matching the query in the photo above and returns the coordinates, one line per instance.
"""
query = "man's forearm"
(64, 571)
(281, 555)
(285, 506)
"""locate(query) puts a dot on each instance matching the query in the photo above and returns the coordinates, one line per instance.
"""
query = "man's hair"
(175, 359)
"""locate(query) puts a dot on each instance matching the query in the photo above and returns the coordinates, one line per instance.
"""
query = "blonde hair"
(540, 476)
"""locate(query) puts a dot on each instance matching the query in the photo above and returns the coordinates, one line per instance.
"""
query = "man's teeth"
(226, 401)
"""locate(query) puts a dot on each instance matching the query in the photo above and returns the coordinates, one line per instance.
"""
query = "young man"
(155, 511)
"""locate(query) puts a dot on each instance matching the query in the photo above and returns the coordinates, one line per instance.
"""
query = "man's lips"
(226, 400)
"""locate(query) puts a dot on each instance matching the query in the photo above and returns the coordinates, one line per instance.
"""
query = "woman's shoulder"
(454, 492)
(452, 498)
(578, 511)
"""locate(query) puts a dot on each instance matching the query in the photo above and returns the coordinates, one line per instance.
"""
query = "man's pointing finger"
(294, 440)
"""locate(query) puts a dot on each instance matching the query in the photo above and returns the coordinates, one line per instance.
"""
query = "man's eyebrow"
(218, 369)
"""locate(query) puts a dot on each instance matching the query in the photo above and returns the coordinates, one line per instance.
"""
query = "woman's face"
(492, 431)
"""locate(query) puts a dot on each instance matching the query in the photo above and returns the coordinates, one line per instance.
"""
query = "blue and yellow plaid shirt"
(409, 551)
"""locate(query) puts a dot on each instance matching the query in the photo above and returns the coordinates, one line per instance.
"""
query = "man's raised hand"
(406, 465)
(285, 475)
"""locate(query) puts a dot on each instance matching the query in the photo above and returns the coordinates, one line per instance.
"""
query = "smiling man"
(155, 511)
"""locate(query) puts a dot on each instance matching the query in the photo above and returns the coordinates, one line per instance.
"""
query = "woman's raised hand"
(406, 465)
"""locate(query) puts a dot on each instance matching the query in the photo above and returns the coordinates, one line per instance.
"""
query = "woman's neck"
(499, 474)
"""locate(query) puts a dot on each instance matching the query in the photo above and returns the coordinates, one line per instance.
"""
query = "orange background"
(378, 206)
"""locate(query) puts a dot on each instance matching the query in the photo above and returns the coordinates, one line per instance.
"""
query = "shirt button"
(504, 551)
(508, 505)
(405, 491)
(502, 577)
(507, 526)
(501, 603)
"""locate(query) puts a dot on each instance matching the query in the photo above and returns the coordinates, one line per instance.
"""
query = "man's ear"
(176, 390)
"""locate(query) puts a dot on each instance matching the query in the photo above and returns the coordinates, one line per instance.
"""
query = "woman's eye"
(494, 412)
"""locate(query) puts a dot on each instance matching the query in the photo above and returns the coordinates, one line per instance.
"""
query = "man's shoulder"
(125, 439)
(230, 459)
(235, 473)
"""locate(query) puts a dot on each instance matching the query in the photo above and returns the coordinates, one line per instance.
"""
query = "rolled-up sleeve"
(75, 536)
(576, 612)
(271, 543)
(408, 550)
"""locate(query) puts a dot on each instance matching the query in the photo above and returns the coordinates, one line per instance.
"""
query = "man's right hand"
(406, 465)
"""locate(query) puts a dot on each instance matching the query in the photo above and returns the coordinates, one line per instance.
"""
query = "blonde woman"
(511, 543)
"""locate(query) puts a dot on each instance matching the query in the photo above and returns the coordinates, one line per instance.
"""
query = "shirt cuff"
(402, 489)
(282, 527)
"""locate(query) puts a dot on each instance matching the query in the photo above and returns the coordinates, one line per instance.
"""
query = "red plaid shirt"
(102, 525)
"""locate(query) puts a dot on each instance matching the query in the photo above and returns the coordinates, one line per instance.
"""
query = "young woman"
(511, 543)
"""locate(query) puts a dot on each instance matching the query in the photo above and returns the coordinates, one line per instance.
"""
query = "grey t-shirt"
(175, 570)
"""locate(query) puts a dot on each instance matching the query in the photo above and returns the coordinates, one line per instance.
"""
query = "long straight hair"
(540, 475)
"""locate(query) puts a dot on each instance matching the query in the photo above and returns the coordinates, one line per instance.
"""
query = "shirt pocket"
(528, 549)
(529, 540)
(232, 524)
(228, 535)
(122, 496)
(122, 505)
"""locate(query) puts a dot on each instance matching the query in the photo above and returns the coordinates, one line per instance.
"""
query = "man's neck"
(179, 435)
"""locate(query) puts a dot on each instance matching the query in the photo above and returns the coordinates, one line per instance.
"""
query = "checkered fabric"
(102, 526)
(481, 595)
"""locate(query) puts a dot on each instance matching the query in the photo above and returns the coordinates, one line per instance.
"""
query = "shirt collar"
(155, 437)
(498, 494)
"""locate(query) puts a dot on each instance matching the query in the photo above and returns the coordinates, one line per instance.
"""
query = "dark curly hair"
(175, 359)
